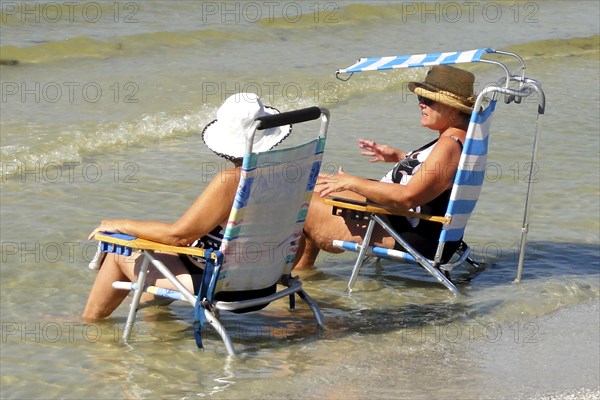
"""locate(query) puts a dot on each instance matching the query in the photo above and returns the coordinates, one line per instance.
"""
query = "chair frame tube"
(189, 297)
(528, 87)
(361, 254)
(530, 183)
(425, 263)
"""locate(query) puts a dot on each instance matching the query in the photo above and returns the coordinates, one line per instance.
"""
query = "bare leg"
(104, 299)
(322, 227)
(307, 254)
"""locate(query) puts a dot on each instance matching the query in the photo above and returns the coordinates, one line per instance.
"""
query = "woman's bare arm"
(211, 208)
(433, 177)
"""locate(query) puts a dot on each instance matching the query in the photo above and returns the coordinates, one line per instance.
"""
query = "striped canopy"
(415, 60)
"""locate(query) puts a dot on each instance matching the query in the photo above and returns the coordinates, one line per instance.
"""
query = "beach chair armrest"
(115, 243)
(368, 207)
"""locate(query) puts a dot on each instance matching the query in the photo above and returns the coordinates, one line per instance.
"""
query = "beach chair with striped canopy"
(469, 177)
(260, 241)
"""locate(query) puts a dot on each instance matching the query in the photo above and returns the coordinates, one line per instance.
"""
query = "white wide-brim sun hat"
(226, 135)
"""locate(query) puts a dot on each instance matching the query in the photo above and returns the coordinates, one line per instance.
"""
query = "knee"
(328, 247)
(127, 265)
(318, 240)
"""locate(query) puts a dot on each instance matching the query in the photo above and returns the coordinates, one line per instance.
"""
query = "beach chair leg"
(313, 306)
(212, 319)
(442, 278)
(210, 316)
(432, 269)
(361, 255)
(137, 294)
(474, 263)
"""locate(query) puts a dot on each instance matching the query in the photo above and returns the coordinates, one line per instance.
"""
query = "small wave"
(51, 51)
(73, 145)
(557, 48)
(87, 47)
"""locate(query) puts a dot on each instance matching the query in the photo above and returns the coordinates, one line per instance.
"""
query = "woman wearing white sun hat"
(226, 136)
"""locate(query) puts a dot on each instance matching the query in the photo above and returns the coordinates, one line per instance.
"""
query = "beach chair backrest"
(268, 214)
(470, 174)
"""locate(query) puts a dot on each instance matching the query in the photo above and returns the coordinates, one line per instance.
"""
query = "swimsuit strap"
(422, 148)
(460, 143)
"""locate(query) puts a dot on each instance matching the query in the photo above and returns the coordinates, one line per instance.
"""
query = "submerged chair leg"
(135, 302)
(361, 255)
(313, 306)
(439, 275)
(472, 262)
(189, 296)
(216, 324)
(422, 261)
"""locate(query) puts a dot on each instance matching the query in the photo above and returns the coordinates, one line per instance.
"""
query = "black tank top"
(405, 169)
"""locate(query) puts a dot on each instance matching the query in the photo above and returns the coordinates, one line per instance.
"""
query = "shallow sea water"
(134, 151)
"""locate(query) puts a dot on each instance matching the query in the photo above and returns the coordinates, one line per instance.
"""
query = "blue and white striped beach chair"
(261, 237)
(471, 169)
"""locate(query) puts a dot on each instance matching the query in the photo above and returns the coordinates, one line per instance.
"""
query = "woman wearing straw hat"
(204, 219)
(420, 180)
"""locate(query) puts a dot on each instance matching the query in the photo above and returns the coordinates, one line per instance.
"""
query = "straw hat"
(447, 85)
(226, 135)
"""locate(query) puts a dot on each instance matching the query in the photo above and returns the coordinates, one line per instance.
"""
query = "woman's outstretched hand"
(378, 152)
(331, 183)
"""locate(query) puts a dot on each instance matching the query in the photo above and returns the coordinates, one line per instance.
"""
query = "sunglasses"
(425, 100)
